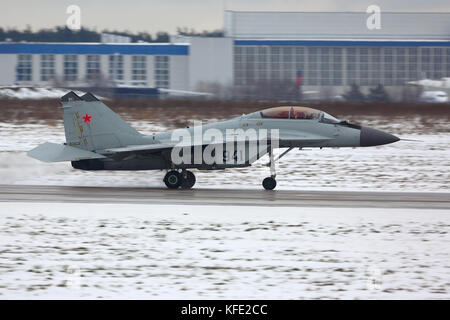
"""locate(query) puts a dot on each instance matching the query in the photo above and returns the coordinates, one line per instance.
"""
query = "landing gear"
(188, 180)
(269, 183)
(174, 179)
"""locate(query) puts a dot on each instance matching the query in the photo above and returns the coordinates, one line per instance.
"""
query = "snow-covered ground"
(403, 166)
(51, 250)
(33, 92)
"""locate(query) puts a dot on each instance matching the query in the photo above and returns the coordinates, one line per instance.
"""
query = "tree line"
(64, 34)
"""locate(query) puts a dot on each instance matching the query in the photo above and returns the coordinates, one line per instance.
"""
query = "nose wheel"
(174, 179)
(269, 183)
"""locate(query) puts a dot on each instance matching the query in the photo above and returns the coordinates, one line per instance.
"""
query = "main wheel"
(188, 181)
(269, 183)
(172, 179)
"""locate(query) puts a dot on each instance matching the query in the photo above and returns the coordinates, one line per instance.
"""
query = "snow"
(70, 251)
(34, 92)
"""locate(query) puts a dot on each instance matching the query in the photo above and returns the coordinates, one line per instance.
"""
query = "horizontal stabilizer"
(53, 152)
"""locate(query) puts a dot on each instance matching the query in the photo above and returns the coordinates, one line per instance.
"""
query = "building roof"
(94, 48)
(336, 25)
(345, 43)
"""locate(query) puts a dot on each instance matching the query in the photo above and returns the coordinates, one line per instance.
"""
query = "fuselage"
(294, 127)
(297, 132)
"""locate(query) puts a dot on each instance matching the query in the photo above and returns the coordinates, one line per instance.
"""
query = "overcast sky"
(152, 15)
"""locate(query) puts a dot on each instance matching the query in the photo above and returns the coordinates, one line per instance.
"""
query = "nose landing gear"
(270, 183)
(174, 179)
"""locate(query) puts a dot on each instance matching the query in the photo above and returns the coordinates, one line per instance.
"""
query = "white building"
(330, 50)
(148, 65)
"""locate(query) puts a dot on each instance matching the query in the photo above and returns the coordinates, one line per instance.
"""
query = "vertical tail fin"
(89, 124)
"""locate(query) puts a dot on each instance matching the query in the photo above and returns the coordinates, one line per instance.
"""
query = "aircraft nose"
(372, 137)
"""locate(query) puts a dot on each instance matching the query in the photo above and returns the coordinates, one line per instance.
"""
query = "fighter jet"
(99, 139)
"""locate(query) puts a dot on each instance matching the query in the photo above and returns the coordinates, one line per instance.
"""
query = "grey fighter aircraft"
(99, 139)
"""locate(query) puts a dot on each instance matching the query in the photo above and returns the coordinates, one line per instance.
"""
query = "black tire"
(269, 183)
(189, 181)
(172, 179)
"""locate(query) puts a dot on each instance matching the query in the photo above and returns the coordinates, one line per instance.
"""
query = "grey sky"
(155, 15)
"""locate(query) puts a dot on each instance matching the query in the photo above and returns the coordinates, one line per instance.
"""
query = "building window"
(116, 67)
(375, 66)
(337, 66)
(448, 63)
(261, 64)
(337, 78)
(250, 62)
(311, 74)
(47, 67)
(139, 70)
(438, 66)
(92, 67)
(70, 67)
(24, 67)
(162, 71)
(275, 50)
(352, 66)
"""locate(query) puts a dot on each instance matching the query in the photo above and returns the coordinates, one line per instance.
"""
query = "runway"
(243, 197)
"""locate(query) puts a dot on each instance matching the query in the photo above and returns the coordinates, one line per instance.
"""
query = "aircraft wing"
(149, 148)
(154, 147)
(158, 147)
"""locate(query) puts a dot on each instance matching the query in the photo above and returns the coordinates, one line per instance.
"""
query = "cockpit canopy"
(301, 113)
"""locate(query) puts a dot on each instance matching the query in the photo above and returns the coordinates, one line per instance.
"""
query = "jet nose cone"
(372, 137)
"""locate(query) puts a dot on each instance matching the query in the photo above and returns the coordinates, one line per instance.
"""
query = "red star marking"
(87, 118)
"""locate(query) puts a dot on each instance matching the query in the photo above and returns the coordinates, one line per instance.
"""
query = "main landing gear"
(270, 183)
(174, 179)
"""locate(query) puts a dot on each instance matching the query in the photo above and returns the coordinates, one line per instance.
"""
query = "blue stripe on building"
(54, 48)
(343, 43)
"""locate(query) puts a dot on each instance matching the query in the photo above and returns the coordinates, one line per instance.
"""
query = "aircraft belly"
(303, 143)
(136, 164)
(133, 164)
